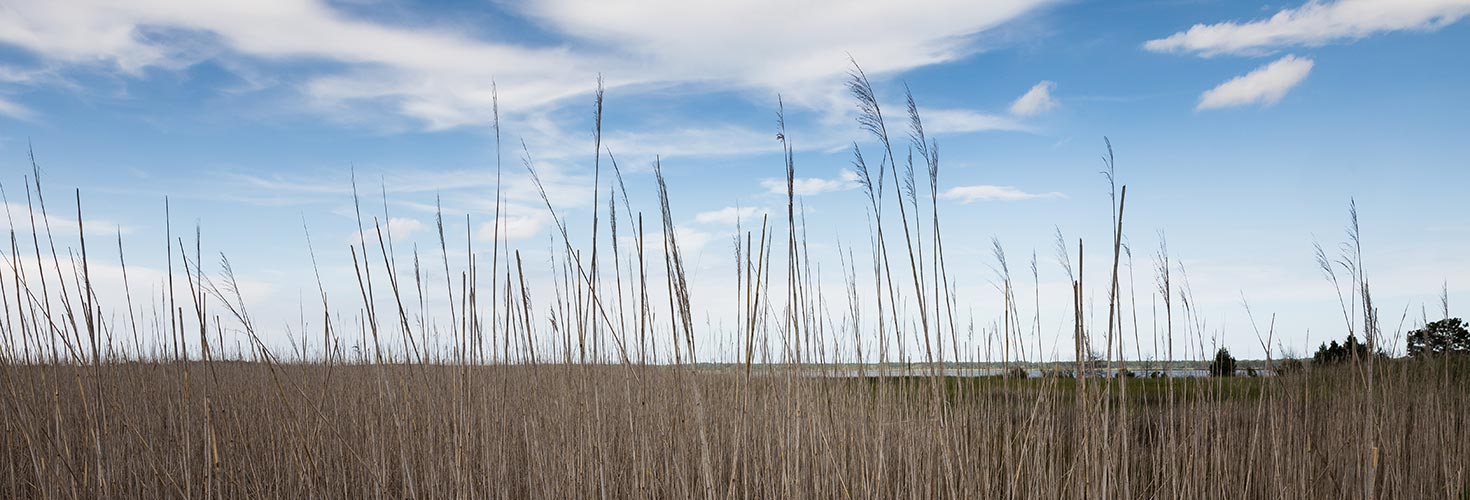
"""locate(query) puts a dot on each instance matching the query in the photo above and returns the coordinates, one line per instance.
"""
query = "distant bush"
(1223, 365)
(1016, 372)
(1440, 337)
(1289, 366)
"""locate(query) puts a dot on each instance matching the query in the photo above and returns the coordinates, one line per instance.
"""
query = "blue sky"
(1242, 130)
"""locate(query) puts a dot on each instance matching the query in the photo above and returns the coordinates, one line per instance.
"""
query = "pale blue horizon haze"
(1242, 130)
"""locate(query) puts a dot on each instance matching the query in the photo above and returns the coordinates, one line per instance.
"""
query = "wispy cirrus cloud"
(1313, 24)
(440, 76)
(431, 192)
(638, 148)
(798, 51)
(62, 225)
(984, 192)
(959, 121)
(513, 227)
(14, 110)
(396, 227)
(1264, 86)
(728, 215)
(812, 186)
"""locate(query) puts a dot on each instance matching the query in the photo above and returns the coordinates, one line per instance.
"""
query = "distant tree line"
(1449, 336)
(1333, 353)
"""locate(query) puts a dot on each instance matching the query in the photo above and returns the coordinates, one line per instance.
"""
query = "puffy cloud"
(405, 226)
(1036, 101)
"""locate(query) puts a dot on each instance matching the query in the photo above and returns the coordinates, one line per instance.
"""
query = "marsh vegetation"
(601, 389)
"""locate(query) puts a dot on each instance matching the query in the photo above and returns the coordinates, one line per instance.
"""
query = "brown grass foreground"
(247, 430)
(604, 395)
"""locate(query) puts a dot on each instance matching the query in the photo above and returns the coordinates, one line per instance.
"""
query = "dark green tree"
(1334, 352)
(1440, 337)
(1223, 365)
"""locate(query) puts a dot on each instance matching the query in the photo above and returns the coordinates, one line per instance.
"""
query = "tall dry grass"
(561, 397)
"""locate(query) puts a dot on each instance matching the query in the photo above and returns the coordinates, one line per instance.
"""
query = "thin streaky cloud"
(728, 215)
(513, 227)
(1314, 24)
(12, 109)
(985, 192)
(439, 77)
(1265, 86)
(812, 186)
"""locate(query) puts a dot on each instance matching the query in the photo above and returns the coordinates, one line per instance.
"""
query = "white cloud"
(1265, 86)
(720, 140)
(11, 74)
(512, 228)
(958, 121)
(796, 45)
(565, 189)
(691, 242)
(971, 194)
(441, 76)
(728, 215)
(404, 226)
(810, 186)
(14, 110)
(437, 76)
(636, 149)
(1313, 24)
(62, 226)
(1036, 101)
(458, 192)
(399, 228)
